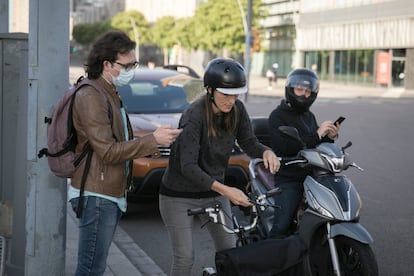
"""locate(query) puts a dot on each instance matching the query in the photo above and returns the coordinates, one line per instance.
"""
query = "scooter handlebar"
(196, 211)
(286, 161)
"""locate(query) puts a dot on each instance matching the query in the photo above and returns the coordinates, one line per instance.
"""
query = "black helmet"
(303, 78)
(225, 75)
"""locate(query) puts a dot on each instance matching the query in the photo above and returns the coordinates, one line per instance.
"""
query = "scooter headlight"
(315, 204)
(336, 164)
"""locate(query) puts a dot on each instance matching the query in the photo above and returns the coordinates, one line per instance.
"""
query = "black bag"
(264, 258)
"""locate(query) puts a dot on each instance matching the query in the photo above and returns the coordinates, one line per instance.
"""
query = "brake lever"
(356, 166)
(263, 204)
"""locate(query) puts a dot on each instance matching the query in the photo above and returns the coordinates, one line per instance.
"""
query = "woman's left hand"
(271, 162)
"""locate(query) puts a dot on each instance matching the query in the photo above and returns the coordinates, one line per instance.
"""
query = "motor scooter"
(328, 217)
(251, 254)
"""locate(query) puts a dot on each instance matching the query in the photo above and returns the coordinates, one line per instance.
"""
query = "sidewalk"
(259, 87)
(125, 257)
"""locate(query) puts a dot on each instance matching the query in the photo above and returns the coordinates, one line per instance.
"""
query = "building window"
(318, 62)
(354, 66)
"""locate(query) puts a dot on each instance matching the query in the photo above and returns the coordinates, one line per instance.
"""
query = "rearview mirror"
(291, 132)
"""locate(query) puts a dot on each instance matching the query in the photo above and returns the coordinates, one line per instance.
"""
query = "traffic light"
(251, 40)
(255, 40)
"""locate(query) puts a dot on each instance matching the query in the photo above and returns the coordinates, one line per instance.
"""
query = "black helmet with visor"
(303, 79)
(225, 75)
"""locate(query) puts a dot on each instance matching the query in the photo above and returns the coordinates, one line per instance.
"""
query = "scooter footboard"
(352, 230)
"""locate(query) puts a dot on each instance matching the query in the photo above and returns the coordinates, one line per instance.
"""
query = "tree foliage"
(185, 32)
(162, 34)
(217, 25)
(134, 24)
(87, 33)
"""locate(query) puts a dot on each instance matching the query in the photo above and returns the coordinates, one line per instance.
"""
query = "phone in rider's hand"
(339, 120)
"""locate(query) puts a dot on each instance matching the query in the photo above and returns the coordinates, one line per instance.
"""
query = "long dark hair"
(107, 48)
(230, 119)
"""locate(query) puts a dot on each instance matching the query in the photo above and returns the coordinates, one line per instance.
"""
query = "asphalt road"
(382, 132)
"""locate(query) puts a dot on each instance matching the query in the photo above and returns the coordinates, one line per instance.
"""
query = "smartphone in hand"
(339, 120)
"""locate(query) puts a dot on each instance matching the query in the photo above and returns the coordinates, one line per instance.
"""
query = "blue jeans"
(97, 226)
(180, 229)
(288, 200)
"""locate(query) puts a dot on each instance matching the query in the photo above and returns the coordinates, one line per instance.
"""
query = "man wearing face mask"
(102, 123)
(301, 90)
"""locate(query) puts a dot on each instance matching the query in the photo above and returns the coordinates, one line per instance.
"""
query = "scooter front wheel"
(355, 258)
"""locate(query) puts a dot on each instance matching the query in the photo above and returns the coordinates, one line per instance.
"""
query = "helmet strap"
(211, 95)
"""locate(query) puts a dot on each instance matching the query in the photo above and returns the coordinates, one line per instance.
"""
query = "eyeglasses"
(129, 66)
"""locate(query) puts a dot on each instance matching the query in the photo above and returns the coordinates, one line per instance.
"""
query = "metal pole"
(47, 80)
(247, 44)
(247, 22)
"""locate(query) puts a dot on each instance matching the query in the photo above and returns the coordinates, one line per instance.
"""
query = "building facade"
(155, 9)
(355, 41)
(364, 41)
(278, 37)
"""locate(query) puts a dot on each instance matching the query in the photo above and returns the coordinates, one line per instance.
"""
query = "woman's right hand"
(325, 128)
(236, 196)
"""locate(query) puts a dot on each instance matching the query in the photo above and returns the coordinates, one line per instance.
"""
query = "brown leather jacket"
(91, 118)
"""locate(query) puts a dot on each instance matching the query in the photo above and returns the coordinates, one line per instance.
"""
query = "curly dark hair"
(107, 48)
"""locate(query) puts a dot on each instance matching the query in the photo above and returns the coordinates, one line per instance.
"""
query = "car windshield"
(160, 96)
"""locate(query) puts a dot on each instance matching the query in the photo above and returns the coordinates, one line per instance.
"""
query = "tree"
(219, 25)
(86, 33)
(129, 21)
(184, 30)
(162, 34)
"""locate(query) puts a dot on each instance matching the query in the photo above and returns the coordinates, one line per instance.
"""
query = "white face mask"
(123, 78)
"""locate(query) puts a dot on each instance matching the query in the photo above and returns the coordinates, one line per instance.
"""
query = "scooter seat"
(265, 176)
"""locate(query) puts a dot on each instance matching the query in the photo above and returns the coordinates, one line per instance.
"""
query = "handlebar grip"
(285, 161)
(196, 211)
(288, 159)
(275, 191)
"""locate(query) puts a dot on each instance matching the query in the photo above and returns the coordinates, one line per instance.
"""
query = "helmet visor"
(304, 82)
(233, 91)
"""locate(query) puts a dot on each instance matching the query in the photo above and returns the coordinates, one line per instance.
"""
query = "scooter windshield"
(329, 149)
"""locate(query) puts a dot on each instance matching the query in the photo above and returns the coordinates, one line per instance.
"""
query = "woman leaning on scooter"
(199, 157)
(301, 90)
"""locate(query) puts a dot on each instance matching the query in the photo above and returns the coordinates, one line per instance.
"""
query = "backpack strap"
(79, 208)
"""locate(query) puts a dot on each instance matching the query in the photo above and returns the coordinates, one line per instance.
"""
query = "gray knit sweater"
(197, 160)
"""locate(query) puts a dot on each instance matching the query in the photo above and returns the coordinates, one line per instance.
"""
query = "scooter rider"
(301, 90)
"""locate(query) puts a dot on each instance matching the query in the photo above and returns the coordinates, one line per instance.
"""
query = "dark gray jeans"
(180, 229)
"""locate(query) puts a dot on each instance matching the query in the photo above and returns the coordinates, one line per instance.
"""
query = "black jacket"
(282, 145)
